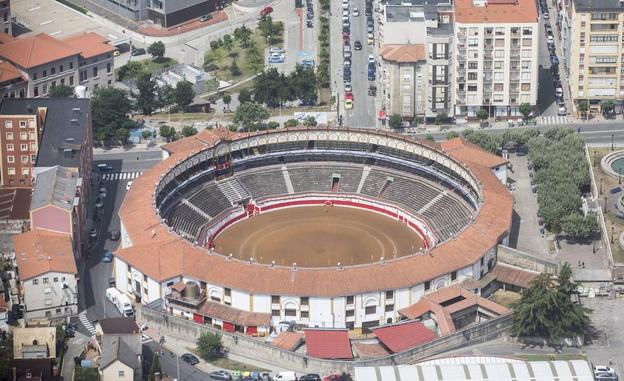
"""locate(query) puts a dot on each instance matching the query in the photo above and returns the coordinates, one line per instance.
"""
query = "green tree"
(234, 70)
(482, 114)
(291, 123)
(209, 346)
(452, 135)
(394, 121)
(309, 121)
(227, 99)
(131, 70)
(249, 114)
(167, 132)
(6, 353)
(272, 125)
(188, 131)
(244, 96)
(254, 58)
(607, 106)
(146, 134)
(525, 109)
(546, 309)
(147, 96)
(269, 88)
(109, 111)
(157, 50)
(243, 36)
(429, 137)
(122, 135)
(583, 107)
(184, 94)
(61, 91)
(228, 42)
(155, 368)
(302, 84)
(165, 96)
(85, 374)
(441, 117)
(268, 28)
(580, 227)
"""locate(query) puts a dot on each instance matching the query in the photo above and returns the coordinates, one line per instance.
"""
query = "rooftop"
(402, 53)
(38, 252)
(33, 51)
(598, 5)
(9, 72)
(234, 315)
(55, 186)
(15, 204)
(498, 11)
(4, 38)
(400, 336)
(468, 152)
(513, 275)
(118, 326)
(119, 349)
(328, 344)
(288, 340)
(89, 44)
(67, 123)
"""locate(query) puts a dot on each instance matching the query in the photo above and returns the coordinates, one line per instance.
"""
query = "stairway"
(232, 190)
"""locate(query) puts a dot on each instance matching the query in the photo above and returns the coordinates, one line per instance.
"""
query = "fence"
(257, 349)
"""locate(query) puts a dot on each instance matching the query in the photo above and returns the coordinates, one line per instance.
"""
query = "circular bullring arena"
(314, 213)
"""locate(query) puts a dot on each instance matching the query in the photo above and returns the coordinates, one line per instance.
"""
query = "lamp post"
(612, 231)
(612, 141)
(600, 185)
(605, 204)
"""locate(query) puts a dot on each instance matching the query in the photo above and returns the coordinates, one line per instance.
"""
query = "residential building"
(32, 370)
(496, 56)
(34, 342)
(47, 270)
(55, 205)
(85, 60)
(5, 13)
(594, 53)
(162, 12)
(13, 83)
(416, 57)
(121, 343)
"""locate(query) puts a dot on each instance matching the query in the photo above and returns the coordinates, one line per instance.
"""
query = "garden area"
(155, 65)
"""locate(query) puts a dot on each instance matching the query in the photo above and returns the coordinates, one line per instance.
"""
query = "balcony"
(515, 53)
(186, 300)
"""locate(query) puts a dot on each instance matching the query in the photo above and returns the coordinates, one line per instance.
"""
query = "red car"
(265, 11)
(348, 95)
(333, 377)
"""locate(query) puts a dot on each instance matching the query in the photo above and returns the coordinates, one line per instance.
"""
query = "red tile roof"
(288, 340)
(328, 344)
(90, 44)
(38, 252)
(8, 72)
(468, 152)
(403, 52)
(368, 350)
(404, 335)
(4, 38)
(234, 315)
(513, 275)
(506, 11)
(36, 50)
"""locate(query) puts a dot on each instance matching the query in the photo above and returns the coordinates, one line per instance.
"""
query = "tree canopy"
(188, 131)
(248, 115)
(274, 88)
(109, 109)
(61, 91)
(546, 309)
(157, 50)
(184, 94)
(242, 34)
(209, 345)
(131, 70)
(395, 121)
(147, 96)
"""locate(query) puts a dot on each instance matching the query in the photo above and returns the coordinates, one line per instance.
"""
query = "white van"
(286, 376)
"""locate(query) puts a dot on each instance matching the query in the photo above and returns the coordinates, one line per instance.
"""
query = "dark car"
(138, 52)
(220, 375)
(357, 45)
(371, 76)
(114, 235)
(189, 359)
(205, 18)
(368, 12)
(17, 311)
(310, 377)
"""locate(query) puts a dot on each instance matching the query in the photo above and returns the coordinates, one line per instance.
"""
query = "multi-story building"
(416, 57)
(85, 60)
(594, 53)
(13, 84)
(162, 12)
(5, 13)
(19, 145)
(47, 270)
(496, 56)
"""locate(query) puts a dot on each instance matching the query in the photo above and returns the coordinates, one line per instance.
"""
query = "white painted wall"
(48, 296)
(320, 312)
(121, 280)
(501, 173)
(339, 312)
(240, 300)
(401, 298)
(262, 303)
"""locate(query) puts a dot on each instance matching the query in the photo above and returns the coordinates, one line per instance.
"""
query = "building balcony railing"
(515, 53)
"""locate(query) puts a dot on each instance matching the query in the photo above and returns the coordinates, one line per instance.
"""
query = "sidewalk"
(75, 346)
(141, 147)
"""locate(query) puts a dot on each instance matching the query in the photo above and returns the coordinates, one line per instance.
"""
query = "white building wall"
(240, 300)
(121, 280)
(417, 292)
(404, 32)
(501, 173)
(44, 296)
(339, 312)
(154, 291)
(125, 238)
(321, 313)
(262, 303)
(401, 299)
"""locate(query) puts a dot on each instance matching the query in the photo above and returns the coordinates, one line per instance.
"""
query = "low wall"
(255, 348)
(525, 260)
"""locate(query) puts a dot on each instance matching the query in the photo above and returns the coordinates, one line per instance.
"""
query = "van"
(286, 376)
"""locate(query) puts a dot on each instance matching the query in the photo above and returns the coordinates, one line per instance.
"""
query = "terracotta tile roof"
(288, 340)
(368, 350)
(38, 252)
(149, 238)
(179, 287)
(466, 151)
(203, 139)
(8, 72)
(500, 11)
(36, 50)
(328, 344)
(400, 336)
(513, 275)
(418, 309)
(234, 315)
(4, 38)
(90, 44)
(403, 52)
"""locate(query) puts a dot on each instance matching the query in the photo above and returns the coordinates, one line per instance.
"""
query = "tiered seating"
(349, 179)
(448, 216)
(412, 193)
(185, 220)
(264, 183)
(306, 179)
(210, 200)
(233, 190)
(374, 183)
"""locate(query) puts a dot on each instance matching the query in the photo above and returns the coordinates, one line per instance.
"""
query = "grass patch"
(232, 365)
(152, 66)
(505, 298)
(550, 357)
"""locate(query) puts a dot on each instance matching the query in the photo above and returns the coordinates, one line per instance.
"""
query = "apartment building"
(496, 56)
(47, 270)
(162, 12)
(5, 13)
(19, 143)
(13, 83)
(595, 54)
(44, 62)
(416, 58)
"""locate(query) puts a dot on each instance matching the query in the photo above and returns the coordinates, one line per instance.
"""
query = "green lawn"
(153, 66)
(232, 365)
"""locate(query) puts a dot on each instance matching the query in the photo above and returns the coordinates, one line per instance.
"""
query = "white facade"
(50, 295)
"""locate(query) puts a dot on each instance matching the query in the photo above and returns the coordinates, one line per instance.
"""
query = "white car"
(347, 87)
(550, 38)
(604, 369)
(345, 13)
(128, 185)
(371, 58)
(275, 50)
(355, 12)
(345, 4)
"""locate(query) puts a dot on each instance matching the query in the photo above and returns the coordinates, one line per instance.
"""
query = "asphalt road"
(169, 364)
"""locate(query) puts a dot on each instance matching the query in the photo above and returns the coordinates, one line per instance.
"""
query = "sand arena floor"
(318, 236)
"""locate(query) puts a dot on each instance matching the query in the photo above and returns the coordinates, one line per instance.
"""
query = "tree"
(147, 96)
(209, 346)
(525, 109)
(580, 227)
(452, 135)
(184, 94)
(215, 44)
(482, 114)
(254, 58)
(234, 70)
(122, 135)
(309, 121)
(394, 121)
(269, 88)
(85, 374)
(244, 96)
(302, 85)
(6, 353)
(155, 368)
(61, 91)
(188, 131)
(291, 123)
(167, 132)
(546, 309)
(249, 114)
(131, 70)
(607, 106)
(165, 96)
(227, 99)
(272, 125)
(429, 137)
(109, 111)
(228, 42)
(243, 36)
(441, 117)
(583, 107)
(146, 134)
(157, 50)
(269, 29)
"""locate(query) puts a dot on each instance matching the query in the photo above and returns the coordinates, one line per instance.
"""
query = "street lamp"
(612, 140)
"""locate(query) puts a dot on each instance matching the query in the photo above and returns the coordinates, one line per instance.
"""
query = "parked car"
(371, 76)
(368, 11)
(114, 235)
(604, 369)
(187, 357)
(205, 18)
(371, 58)
(562, 111)
(345, 4)
(99, 203)
(93, 233)
(128, 185)
(546, 15)
(310, 377)
(264, 12)
(220, 375)
(348, 104)
(347, 86)
(357, 45)
(356, 12)
(310, 24)
(286, 376)
(275, 50)
(107, 257)
(276, 58)
(138, 52)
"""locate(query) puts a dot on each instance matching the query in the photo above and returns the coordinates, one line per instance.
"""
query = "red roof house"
(330, 344)
(400, 336)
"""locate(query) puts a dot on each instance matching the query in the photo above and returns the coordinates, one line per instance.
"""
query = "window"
(498, 65)
(350, 313)
(11, 170)
(525, 76)
(23, 147)
(121, 373)
(45, 74)
(498, 98)
(108, 67)
(499, 53)
(526, 65)
(525, 87)
(350, 300)
(305, 301)
(453, 275)
(603, 38)
(499, 42)
(48, 313)
(527, 31)
(11, 159)
(23, 135)
(83, 75)
(473, 65)
(45, 89)
(52, 70)
(370, 310)
(498, 87)
(71, 80)
(145, 290)
(35, 76)
(55, 279)
(472, 87)
(500, 31)
(36, 91)
(24, 159)
(35, 282)
(227, 292)
(473, 42)
(275, 313)
(389, 294)
(71, 65)
(53, 83)
(95, 72)
(305, 314)
(389, 308)
(275, 299)
(22, 124)
(427, 285)
(527, 42)
(9, 135)
(46, 280)
(60, 68)
(498, 76)
(58, 311)
(290, 312)
(8, 124)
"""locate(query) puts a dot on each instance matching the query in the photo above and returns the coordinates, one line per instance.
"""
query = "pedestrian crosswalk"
(121, 175)
(85, 321)
(554, 119)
